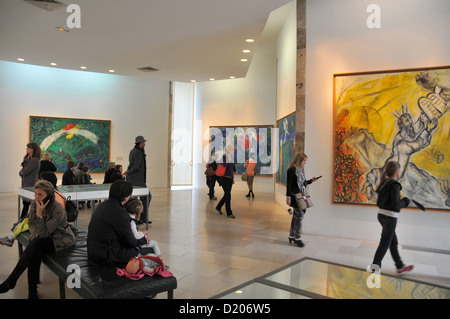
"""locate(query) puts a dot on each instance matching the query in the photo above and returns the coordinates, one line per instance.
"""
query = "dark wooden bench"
(98, 282)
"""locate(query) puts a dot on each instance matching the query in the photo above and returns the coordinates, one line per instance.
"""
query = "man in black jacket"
(137, 172)
(110, 239)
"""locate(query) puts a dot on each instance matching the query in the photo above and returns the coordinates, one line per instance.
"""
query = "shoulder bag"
(303, 200)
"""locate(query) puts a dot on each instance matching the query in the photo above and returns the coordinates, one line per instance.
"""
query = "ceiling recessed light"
(193, 81)
(53, 63)
(249, 40)
(244, 60)
(232, 77)
(246, 51)
(20, 59)
(112, 71)
(212, 79)
(84, 68)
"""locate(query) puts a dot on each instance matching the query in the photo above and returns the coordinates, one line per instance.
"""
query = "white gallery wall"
(135, 106)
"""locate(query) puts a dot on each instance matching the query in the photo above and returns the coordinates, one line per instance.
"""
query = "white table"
(86, 192)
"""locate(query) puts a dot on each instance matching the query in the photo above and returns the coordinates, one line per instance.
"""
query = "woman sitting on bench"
(49, 232)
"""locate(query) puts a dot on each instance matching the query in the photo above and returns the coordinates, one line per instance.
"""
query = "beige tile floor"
(209, 253)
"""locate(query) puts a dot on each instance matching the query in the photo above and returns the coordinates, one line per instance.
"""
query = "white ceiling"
(184, 39)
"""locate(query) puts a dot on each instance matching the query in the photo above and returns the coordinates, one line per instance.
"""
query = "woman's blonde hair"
(298, 158)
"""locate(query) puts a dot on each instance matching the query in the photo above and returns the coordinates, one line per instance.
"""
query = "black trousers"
(36, 249)
(227, 184)
(211, 182)
(388, 241)
(25, 207)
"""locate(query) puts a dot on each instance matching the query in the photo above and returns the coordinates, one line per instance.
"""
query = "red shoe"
(404, 270)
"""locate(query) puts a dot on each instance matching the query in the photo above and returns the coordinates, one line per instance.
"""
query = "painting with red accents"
(79, 140)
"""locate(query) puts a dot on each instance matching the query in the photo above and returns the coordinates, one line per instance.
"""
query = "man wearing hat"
(137, 171)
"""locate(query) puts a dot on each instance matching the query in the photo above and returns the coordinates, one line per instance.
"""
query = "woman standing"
(49, 232)
(296, 183)
(390, 203)
(30, 171)
(250, 165)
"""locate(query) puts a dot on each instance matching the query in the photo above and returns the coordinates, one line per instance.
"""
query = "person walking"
(211, 177)
(227, 182)
(389, 203)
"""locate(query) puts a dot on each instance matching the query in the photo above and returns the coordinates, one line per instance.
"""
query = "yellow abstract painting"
(398, 115)
(348, 283)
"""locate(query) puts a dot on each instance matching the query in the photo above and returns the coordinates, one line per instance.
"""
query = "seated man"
(110, 239)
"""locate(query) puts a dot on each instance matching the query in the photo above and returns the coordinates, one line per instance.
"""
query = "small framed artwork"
(249, 142)
(79, 140)
(286, 146)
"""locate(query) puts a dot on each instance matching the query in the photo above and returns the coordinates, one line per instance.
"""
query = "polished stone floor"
(210, 253)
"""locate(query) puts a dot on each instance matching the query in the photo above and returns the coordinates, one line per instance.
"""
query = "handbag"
(220, 171)
(303, 200)
(71, 210)
(244, 176)
(209, 171)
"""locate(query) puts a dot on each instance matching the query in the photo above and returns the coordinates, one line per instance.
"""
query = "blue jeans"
(388, 241)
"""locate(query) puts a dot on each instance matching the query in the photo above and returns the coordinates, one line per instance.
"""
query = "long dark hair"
(36, 149)
(389, 170)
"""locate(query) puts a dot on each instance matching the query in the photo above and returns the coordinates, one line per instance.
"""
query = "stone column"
(301, 76)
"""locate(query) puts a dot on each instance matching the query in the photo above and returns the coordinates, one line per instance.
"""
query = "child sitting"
(134, 207)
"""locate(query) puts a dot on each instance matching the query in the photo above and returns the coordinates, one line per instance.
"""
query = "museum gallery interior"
(352, 84)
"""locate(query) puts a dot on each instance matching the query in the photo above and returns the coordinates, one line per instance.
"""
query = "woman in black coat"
(47, 164)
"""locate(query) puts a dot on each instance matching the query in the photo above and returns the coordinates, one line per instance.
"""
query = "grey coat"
(52, 224)
(137, 169)
(30, 171)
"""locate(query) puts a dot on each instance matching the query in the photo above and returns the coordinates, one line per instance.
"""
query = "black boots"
(250, 192)
(22, 264)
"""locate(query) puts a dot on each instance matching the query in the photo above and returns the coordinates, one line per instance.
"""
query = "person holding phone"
(296, 183)
(49, 232)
